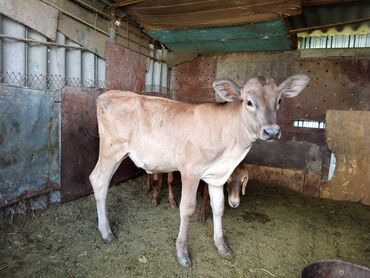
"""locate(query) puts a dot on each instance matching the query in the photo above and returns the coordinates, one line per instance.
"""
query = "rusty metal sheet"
(348, 136)
(29, 143)
(339, 83)
(80, 144)
(125, 69)
(192, 81)
(26, 11)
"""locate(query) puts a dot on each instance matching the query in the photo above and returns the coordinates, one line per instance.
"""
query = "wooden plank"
(248, 31)
(123, 3)
(348, 137)
(100, 23)
(82, 34)
(161, 14)
(28, 12)
(279, 43)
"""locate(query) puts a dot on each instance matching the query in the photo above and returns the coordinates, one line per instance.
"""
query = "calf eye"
(249, 103)
(279, 101)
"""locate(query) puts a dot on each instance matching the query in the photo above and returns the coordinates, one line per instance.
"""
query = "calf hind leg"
(187, 207)
(100, 179)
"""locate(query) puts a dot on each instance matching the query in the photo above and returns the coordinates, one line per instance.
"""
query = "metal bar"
(73, 64)
(14, 53)
(57, 64)
(127, 34)
(2, 36)
(88, 69)
(37, 62)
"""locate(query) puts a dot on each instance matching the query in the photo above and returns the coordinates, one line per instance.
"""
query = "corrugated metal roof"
(325, 17)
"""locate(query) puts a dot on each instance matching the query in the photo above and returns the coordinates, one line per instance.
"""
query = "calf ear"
(293, 85)
(227, 89)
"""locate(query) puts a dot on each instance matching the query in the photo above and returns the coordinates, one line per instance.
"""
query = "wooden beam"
(166, 14)
(124, 3)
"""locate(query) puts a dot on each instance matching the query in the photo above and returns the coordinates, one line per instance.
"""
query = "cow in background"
(236, 184)
(156, 181)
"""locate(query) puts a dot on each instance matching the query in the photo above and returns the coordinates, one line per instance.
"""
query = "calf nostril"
(265, 132)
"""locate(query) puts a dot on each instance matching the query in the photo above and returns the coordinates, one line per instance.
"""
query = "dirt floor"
(273, 233)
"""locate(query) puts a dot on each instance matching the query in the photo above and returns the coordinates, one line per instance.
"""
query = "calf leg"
(216, 194)
(187, 207)
(171, 197)
(203, 204)
(100, 178)
(148, 182)
(156, 187)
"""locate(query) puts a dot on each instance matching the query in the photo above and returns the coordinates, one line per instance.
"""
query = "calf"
(156, 180)
(202, 141)
(235, 184)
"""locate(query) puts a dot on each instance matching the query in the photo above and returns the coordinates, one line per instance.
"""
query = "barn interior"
(308, 197)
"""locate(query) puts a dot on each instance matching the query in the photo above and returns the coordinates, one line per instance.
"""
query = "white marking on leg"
(216, 194)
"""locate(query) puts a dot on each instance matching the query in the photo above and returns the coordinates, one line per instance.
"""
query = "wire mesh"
(200, 95)
(47, 82)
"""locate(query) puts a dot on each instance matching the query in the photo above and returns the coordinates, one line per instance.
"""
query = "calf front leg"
(187, 207)
(217, 197)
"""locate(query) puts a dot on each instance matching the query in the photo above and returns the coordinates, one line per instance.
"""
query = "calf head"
(261, 99)
(235, 184)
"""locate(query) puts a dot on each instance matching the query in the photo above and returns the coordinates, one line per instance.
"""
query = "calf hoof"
(225, 252)
(109, 239)
(202, 216)
(154, 203)
(172, 203)
(184, 261)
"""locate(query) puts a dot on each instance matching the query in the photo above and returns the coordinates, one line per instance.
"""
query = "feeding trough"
(335, 269)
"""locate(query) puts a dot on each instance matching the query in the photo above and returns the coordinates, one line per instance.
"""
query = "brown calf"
(202, 141)
(235, 185)
(156, 181)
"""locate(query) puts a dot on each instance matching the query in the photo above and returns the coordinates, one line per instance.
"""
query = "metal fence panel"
(80, 141)
(29, 143)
